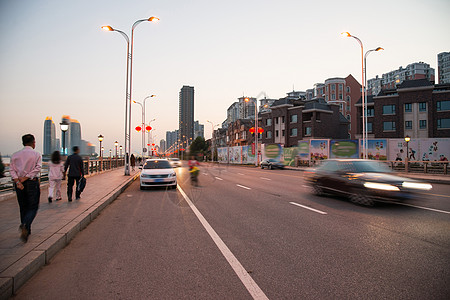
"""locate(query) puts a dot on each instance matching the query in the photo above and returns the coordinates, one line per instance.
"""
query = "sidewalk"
(55, 225)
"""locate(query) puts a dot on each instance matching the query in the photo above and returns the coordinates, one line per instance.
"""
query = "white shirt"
(25, 163)
(55, 171)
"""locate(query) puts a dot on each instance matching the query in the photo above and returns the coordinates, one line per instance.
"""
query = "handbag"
(81, 185)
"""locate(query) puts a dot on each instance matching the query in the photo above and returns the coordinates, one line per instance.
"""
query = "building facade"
(186, 113)
(416, 108)
(199, 130)
(444, 67)
(391, 79)
(50, 143)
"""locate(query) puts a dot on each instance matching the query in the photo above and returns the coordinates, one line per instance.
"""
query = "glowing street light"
(256, 126)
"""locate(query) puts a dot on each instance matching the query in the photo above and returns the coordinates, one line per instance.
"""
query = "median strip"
(310, 208)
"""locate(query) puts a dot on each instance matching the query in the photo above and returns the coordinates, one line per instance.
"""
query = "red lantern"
(153, 145)
(260, 130)
(148, 144)
(252, 130)
(138, 128)
(148, 128)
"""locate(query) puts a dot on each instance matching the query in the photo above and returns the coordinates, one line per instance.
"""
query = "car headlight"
(380, 186)
(145, 176)
(173, 175)
(417, 185)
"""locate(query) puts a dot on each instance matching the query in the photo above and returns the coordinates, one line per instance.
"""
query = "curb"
(21, 271)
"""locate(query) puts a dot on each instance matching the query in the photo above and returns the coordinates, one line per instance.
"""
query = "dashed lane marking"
(310, 208)
(422, 207)
(243, 186)
(264, 178)
(218, 178)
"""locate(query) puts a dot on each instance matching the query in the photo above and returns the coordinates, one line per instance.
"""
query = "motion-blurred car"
(364, 182)
(271, 164)
(175, 162)
(157, 172)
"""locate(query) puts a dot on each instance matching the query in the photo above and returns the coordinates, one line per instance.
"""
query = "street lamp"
(120, 148)
(100, 139)
(212, 138)
(143, 120)
(407, 139)
(365, 84)
(103, 149)
(346, 34)
(256, 128)
(110, 153)
(64, 127)
(116, 143)
(129, 85)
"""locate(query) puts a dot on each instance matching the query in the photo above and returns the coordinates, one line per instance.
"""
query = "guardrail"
(90, 167)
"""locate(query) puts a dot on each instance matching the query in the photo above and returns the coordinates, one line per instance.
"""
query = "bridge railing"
(90, 167)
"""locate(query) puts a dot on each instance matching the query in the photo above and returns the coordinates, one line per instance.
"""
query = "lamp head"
(379, 48)
(153, 19)
(407, 138)
(100, 138)
(346, 34)
(246, 99)
(107, 28)
(116, 143)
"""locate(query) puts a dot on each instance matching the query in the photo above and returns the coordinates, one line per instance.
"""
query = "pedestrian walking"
(75, 165)
(25, 168)
(132, 161)
(55, 176)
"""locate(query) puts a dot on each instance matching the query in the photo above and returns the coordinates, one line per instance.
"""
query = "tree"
(198, 148)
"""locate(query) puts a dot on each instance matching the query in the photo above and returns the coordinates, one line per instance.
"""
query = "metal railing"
(90, 167)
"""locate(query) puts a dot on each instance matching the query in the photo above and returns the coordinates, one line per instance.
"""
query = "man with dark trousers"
(75, 165)
(25, 168)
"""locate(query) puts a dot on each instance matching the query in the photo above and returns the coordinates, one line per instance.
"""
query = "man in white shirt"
(25, 168)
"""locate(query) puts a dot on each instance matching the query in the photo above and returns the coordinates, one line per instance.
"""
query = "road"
(246, 232)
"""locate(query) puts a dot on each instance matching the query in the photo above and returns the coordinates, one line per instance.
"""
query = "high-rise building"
(75, 135)
(241, 110)
(171, 139)
(444, 67)
(199, 130)
(186, 113)
(162, 145)
(393, 78)
(49, 136)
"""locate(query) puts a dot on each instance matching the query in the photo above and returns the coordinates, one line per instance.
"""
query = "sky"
(55, 60)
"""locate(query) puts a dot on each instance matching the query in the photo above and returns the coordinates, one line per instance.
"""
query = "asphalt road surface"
(248, 233)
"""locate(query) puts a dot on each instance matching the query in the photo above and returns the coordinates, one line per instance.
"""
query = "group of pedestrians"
(25, 168)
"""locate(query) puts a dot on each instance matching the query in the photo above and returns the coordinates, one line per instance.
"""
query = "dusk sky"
(55, 60)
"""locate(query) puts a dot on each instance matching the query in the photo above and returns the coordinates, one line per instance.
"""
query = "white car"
(158, 172)
(175, 162)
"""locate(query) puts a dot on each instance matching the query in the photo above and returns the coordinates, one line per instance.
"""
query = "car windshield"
(364, 166)
(175, 159)
(272, 160)
(157, 164)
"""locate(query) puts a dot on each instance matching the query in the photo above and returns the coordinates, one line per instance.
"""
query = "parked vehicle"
(271, 164)
(175, 162)
(157, 172)
(364, 182)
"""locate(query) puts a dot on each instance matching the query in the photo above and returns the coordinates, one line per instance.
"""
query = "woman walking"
(55, 176)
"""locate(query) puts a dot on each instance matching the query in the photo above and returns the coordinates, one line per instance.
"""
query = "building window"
(408, 124)
(408, 107)
(348, 89)
(369, 127)
(443, 105)
(283, 132)
(333, 97)
(348, 98)
(340, 97)
(348, 118)
(370, 111)
(282, 120)
(268, 122)
(276, 121)
(308, 131)
(388, 126)
(293, 132)
(443, 123)
(422, 124)
(389, 109)
(326, 98)
(422, 106)
(293, 119)
(341, 86)
(333, 87)
(276, 133)
(269, 134)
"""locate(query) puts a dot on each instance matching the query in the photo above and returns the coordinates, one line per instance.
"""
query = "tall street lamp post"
(64, 127)
(143, 120)
(120, 148)
(365, 94)
(256, 129)
(346, 34)
(129, 85)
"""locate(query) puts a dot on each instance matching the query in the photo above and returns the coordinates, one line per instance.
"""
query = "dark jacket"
(75, 164)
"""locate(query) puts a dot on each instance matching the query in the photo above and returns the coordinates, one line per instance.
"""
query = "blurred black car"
(363, 181)
(271, 164)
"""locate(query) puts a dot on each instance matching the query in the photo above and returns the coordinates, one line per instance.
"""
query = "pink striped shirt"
(25, 163)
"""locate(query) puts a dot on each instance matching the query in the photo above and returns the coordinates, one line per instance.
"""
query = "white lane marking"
(251, 286)
(265, 178)
(307, 207)
(305, 186)
(205, 173)
(240, 174)
(244, 187)
(421, 207)
(218, 178)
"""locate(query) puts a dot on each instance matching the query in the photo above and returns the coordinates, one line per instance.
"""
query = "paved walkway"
(55, 225)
